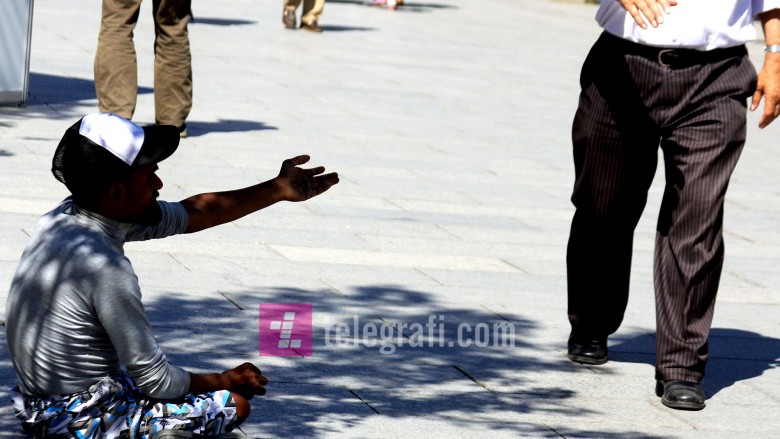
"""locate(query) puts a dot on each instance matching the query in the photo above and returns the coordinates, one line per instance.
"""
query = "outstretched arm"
(292, 184)
(769, 77)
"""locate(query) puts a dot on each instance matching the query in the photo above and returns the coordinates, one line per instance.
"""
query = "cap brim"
(160, 142)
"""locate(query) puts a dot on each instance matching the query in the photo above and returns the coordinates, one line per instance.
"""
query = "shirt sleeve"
(174, 221)
(117, 301)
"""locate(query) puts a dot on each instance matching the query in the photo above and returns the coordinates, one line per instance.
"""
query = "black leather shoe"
(587, 350)
(680, 395)
(289, 19)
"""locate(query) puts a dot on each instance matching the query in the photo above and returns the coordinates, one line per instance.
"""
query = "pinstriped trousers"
(629, 106)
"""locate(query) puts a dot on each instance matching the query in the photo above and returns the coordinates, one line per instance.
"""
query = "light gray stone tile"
(454, 154)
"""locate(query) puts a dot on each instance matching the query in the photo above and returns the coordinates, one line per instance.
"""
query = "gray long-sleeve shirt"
(74, 311)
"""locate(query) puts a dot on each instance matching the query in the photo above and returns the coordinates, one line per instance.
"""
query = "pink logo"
(285, 330)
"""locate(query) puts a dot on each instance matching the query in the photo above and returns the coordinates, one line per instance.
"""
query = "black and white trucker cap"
(101, 143)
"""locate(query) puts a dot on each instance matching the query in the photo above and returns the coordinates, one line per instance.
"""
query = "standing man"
(674, 74)
(116, 70)
(312, 9)
(81, 345)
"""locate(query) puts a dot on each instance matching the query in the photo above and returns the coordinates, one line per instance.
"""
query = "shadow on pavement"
(346, 381)
(407, 6)
(338, 28)
(45, 91)
(195, 129)
(52, 89)
(735, 355)
(221, 21)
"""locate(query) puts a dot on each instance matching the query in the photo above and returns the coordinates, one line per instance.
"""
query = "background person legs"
(172, 62)
(116, 69)
(312, 9)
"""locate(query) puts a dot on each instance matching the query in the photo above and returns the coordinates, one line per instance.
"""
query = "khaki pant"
(116, 70)
(312, 9)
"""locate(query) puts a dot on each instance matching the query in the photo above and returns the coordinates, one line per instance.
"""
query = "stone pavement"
(448, 121)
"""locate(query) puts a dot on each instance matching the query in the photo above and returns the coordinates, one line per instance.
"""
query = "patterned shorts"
(116, 408)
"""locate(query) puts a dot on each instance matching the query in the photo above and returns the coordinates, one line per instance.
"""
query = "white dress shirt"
(695, 24)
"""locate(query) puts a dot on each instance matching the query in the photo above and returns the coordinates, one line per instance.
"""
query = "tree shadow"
(479, 379)
(4, 153)
(735, 355)
(349, 378)
(195, 128)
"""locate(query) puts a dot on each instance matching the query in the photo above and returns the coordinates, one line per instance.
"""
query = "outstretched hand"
(297, 184)
(648, 11)
(292, 184)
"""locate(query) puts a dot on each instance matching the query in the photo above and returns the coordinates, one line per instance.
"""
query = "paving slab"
(449, 123)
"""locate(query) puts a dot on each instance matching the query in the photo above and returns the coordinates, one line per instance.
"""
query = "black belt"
(674, 57)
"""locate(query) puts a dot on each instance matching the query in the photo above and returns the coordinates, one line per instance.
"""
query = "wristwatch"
(772, 48)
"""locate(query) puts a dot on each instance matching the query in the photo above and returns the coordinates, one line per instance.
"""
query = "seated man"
(82, 347)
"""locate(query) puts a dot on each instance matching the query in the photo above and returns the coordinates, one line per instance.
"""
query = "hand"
(768, 88)
(246, 380)
(298, 184)
(650, 10)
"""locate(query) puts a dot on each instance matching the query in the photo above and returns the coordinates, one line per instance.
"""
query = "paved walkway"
(448, 122)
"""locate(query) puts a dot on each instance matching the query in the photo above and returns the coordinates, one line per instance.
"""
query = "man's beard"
(151, 216)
